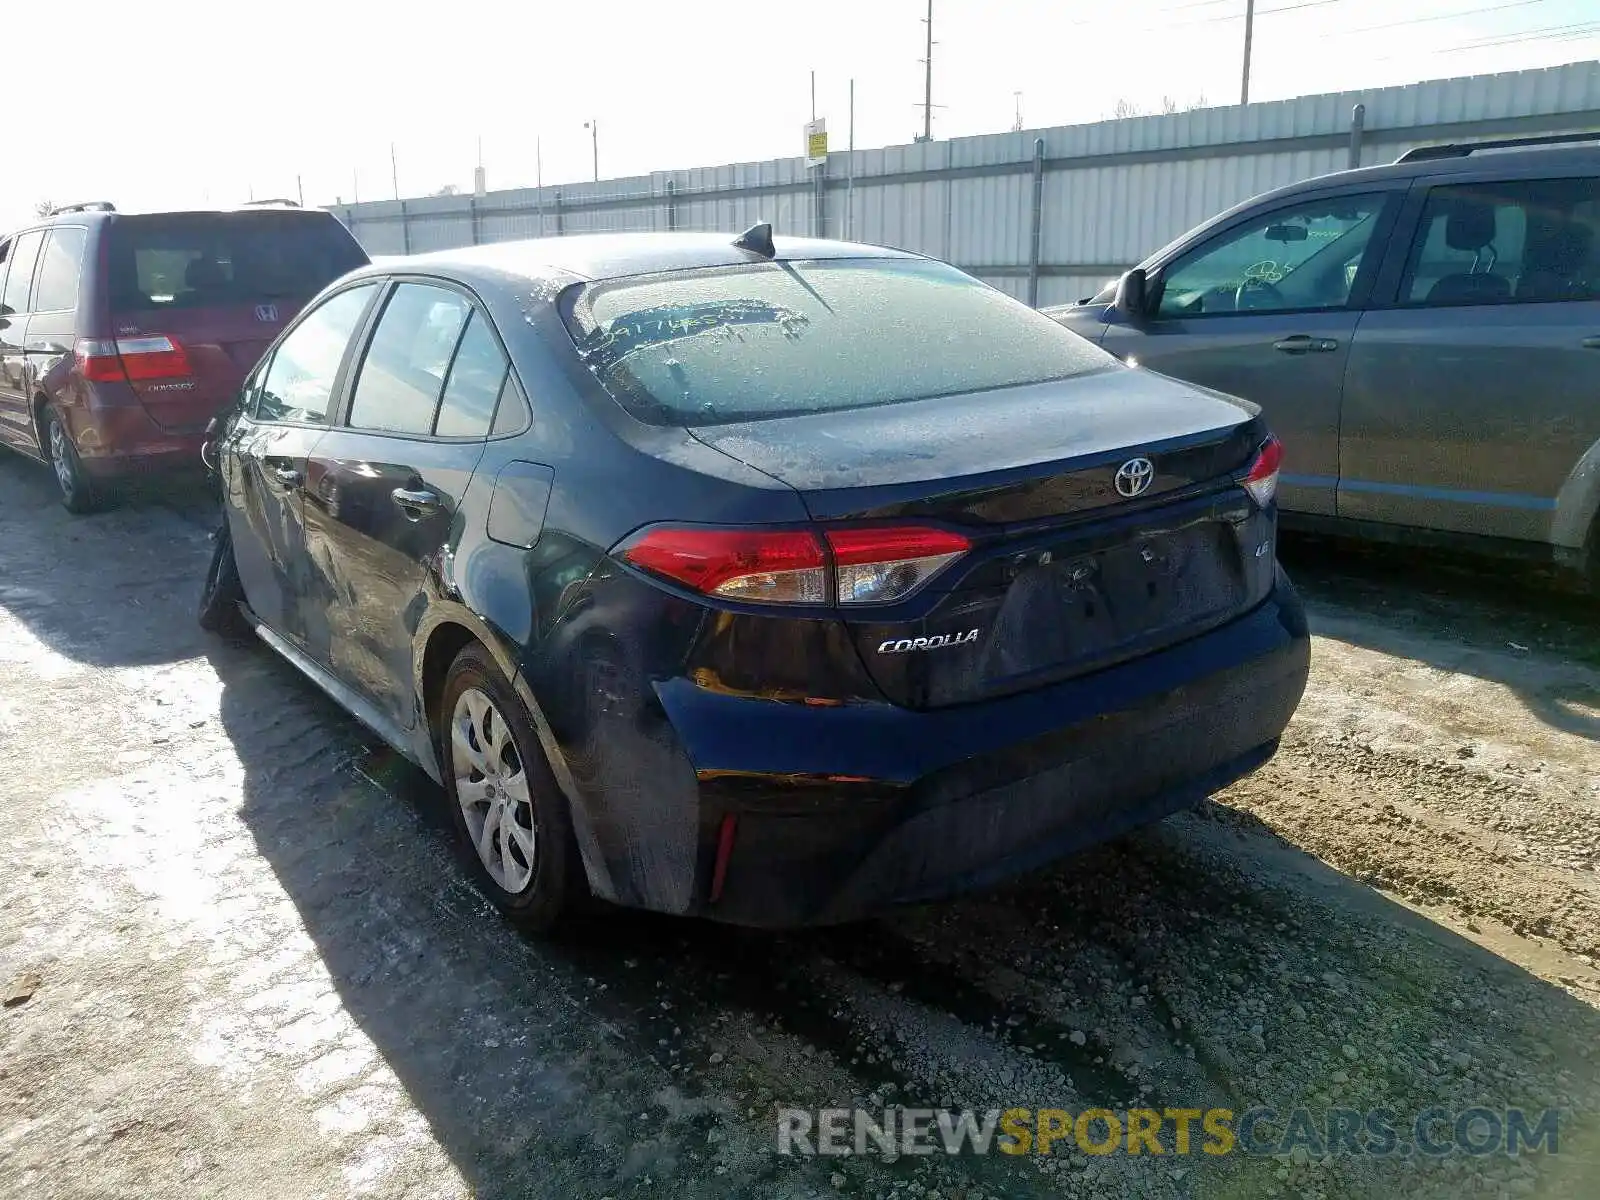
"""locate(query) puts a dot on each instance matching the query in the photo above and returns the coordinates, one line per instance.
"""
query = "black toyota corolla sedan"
(769, 580)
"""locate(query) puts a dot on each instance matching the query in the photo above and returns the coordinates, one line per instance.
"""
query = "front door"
(1473, 396)
(16, 408)
(383, 490)
(284, 413)
(1265, 309)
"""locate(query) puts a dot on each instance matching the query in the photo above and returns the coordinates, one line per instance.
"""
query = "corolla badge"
(1134, 476)
(939, 641)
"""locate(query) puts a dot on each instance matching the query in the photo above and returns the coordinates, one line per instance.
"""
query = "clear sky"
(170, 102)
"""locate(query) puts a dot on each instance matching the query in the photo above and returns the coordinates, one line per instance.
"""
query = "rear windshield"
(787, 338)
(200, 260)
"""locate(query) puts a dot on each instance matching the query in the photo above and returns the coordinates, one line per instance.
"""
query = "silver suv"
(1424, 337)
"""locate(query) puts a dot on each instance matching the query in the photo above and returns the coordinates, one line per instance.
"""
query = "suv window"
(400, 380)
(1304, 256)
(57, 289)
(476, 377)
(1524, 240)
(195, 260)
(298, 384)
(24, 254)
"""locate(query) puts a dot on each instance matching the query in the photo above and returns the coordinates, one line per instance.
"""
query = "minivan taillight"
(1261, 480)
(786, 566)
(156, 356)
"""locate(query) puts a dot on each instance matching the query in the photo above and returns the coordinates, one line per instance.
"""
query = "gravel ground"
(240, 960)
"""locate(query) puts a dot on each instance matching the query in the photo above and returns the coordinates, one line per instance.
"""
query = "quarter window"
(1302, 257)
(298, 385)
(57, 290)
(474, 385)
(511, 416)
(402, 376)
(1515, 241)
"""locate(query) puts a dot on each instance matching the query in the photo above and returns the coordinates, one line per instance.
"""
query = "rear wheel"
(508, 810)
(78, 492)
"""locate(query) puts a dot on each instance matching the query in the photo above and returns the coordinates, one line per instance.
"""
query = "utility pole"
(355, 184)
(927, 81)
(850, 171)
(1249, 29)
(300, 190)
(594, 136)
(1016, 125)
(394, 170)
(813, 95)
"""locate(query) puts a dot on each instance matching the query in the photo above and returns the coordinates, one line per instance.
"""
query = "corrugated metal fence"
(1047, 214)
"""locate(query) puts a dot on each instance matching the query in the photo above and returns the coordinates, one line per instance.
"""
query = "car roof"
(614, 255)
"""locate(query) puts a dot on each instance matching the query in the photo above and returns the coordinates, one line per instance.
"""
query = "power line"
(1560, 33)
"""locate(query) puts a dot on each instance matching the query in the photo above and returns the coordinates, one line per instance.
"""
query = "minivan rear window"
(778, 339)
(203, 260)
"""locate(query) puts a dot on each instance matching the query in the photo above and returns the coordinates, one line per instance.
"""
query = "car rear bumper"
(812, 815)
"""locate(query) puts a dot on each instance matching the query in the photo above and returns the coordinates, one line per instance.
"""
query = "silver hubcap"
(492, 789)
(58, 455)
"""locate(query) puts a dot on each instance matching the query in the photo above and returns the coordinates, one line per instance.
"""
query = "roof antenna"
(758, 240)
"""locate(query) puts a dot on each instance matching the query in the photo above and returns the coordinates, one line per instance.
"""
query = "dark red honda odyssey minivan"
(122, 335)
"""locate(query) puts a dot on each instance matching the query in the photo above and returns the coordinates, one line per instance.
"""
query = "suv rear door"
(1472, 389)
(1264, 308)
(221, 285)
(16, 416)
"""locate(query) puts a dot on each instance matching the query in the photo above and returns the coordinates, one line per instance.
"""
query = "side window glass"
(5, 253)
(24, 254)
(57, 287)
(1305, 256)
(512, 416)
(1525, 240)
(476, 376)
(400, 379)
(298, 385)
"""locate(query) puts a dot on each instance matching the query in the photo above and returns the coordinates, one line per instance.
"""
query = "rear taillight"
(872, 566)
(879, 565)
(769, 567)
(1261, 480)
(156, 356)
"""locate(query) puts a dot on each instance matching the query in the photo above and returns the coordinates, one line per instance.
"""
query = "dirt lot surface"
(239, 959)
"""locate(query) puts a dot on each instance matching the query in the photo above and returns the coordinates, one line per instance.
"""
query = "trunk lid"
(220, 286)
(1066, 573)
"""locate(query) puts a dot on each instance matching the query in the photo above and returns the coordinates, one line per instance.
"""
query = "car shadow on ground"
(49, 553)
(1502, 622)
(641, 1054)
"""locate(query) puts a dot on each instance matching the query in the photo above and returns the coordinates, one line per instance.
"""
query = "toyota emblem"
(1134, 476)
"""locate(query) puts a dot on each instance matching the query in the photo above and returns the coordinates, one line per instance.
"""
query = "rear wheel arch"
(40, 403)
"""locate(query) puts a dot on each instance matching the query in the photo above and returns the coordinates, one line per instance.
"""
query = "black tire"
(221, 593)
(557, 874)
(78, 492)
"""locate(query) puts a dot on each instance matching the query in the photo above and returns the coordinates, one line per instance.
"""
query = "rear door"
(383, 489)
(1265, 308)
(54, 321)
(285, 411)
(16, 415)
(220, 287)
(1474, 390)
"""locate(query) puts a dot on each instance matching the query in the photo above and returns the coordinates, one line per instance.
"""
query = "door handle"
(1591, 343)
(415, 503)
(287, 476)
(1301, 343)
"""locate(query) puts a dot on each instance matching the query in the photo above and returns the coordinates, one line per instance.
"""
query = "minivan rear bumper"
(123, 441)
(815, 815)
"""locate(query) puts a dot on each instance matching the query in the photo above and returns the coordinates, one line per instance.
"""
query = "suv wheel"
(509, 812)
(77, 489)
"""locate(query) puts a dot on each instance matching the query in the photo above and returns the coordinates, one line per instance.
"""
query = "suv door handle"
(1301, 343)
(417, 503)
(287, 476)
(1591, 343)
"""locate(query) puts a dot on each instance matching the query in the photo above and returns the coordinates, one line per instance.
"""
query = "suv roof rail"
(1463, 149)
(85, 206)
(279, 202)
